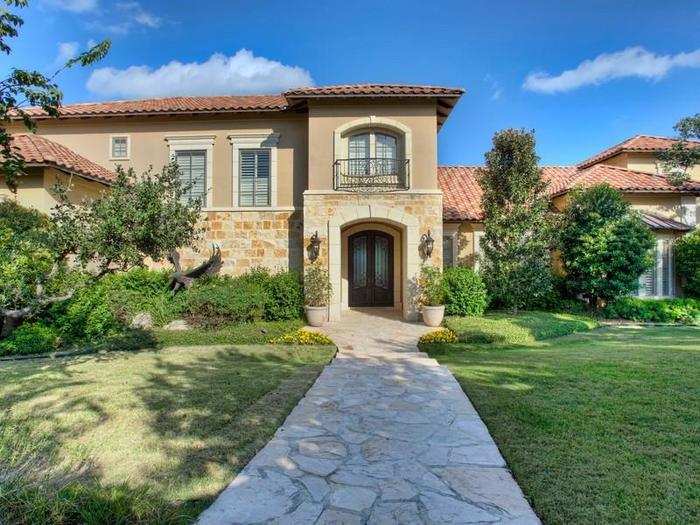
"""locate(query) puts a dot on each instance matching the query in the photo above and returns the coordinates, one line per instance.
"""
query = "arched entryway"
(401, 226)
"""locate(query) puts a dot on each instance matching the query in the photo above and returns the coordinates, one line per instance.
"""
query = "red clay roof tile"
(643, 143)
(382, 90)
(38, 150)
(168, 106)
(461, 193)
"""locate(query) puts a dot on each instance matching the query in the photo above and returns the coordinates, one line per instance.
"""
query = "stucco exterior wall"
(148, 146)
(466, 241)
(646, 162)
(35, 190)
(419, 117)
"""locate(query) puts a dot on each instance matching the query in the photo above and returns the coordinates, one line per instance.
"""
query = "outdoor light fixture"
(426, 245)
(314, 246)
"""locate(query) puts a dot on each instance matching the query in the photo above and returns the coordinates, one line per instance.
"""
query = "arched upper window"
(372, 152)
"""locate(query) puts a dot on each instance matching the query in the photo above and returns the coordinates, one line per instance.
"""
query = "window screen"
(193, 173)
(254, 177)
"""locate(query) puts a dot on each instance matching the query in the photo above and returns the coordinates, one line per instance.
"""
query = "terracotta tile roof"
(40, 151)
(238, 104)
(663, 223)
(373, 90)
(461, 199)
(626, 180)
(169, 106)
(643, 143)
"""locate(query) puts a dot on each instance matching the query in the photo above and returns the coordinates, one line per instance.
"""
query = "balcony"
(371, 174)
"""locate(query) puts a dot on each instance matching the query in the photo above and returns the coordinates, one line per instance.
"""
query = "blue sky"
(523, 64)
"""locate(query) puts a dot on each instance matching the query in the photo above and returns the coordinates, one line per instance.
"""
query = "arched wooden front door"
(371, 269)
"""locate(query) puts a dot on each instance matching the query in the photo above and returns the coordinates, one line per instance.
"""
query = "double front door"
(371, 269)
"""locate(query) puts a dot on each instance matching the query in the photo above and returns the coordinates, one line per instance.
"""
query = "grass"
(155, 435)
(598, 427)
(251, 333)
(523, 328)
(130, 340)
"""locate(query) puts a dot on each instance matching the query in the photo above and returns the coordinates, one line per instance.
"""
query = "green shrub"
(87, 316)
(317, 286)
(285, 297)
(30, 338)
(431, 286)
(465, 292)
(686, 311)
(687, 261)
(604, 245)
(221, 300)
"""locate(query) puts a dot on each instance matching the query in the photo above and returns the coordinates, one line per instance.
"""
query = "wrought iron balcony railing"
(371, 174)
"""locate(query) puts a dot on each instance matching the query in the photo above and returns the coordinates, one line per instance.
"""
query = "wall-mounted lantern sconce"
(314, 247)
(426, 245)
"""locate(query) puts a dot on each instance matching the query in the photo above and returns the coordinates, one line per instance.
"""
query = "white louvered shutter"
(193, 173)
(254, 177)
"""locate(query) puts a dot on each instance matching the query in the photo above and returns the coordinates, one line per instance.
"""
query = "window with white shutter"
(658, 280)
(254, 177)
(193, 173)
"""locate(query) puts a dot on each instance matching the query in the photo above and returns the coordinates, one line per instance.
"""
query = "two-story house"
(352, 167)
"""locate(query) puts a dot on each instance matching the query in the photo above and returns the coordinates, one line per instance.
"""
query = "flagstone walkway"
(384, 436)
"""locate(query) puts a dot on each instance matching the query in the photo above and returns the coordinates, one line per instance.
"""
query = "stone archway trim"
(408, 225)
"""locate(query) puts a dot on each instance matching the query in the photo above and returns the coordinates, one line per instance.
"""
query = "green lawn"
(598, 427)
(523, 328)
(158, 433)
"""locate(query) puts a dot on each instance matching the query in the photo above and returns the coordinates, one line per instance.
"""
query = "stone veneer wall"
(272, 239)
(414, 213)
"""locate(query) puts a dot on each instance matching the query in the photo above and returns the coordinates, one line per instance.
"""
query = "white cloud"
(631, 62)
(495, 87)
(139, 15)
(74, 6)
(241, 73)
(66, 51)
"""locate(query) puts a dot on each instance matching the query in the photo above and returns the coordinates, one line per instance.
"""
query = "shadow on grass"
(177, 425)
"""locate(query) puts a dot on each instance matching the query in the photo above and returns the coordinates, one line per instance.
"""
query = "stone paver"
(385, 435)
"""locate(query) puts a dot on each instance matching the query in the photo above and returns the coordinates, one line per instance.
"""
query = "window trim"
(257, 139)
(110, 145)
(198, 143)
(451, 230)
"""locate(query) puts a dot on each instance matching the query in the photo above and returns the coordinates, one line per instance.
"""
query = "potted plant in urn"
(317, 293)
(431, 298)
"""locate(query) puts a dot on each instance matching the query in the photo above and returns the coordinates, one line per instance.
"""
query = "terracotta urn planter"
(432, 315)
(316, 315)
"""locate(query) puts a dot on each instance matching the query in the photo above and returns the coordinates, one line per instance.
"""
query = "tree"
(687, 259)
(29, 88)
(31, 276)
(140, 217)
(683, 155)
(517, 226)
(605, 246)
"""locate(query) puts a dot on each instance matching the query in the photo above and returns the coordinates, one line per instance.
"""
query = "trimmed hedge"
(685, 311)
(465, 292)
